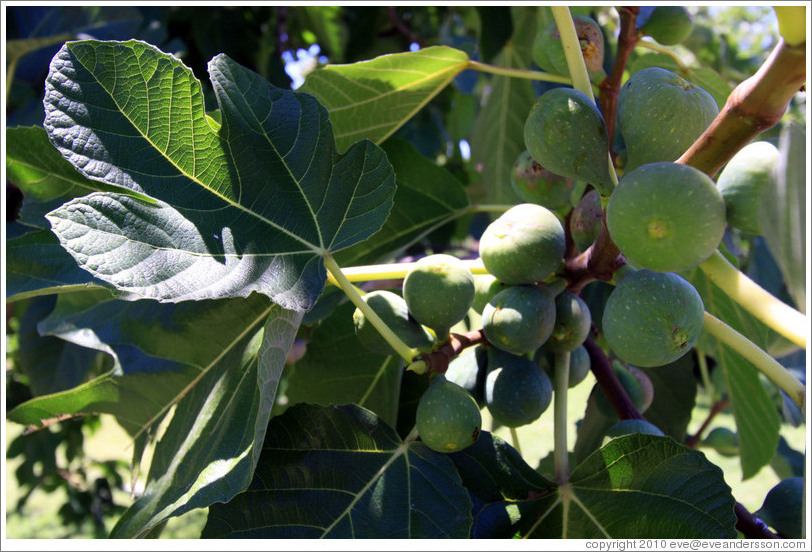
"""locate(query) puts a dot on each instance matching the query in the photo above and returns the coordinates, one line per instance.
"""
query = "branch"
(755, 105)
(599, 262)
(609, 384)
(438, 360)
(610, 87)
(716, 408)
(751, 526)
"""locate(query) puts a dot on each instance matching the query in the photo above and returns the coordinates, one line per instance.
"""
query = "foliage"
(192, 254)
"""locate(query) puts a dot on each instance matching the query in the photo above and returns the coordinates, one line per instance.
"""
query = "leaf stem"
(394, 271)
(654, 47)
(407, 353)
(702, 361)
(776, 314)
(514, 437)
(518, 73)
(761, 360)
(561, 382)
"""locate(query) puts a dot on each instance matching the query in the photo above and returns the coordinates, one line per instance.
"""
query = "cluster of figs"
(665, 217)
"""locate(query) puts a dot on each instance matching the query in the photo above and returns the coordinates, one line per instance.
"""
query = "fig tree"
(525, 244)
(447, 418)
(666, 217)
(439, 290)
(742, 183)
(392, 309)
(660, 114)
(532, 183)
(519, 319)
(668, 25)
(572, 323)
(517, 391)
(566, 133)
(652, 318)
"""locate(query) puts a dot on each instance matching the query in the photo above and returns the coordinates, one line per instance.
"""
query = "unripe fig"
(468, 370)
(566, 133)
(517, 391)
(637, 385)
(579, 363)
(742, 183)
(723, 440)
(668, 25)
(652, 318)
(630, 427)
(525, 244)
(586, 220)
(666, 217)
(486, 286)
(393, 311)
(519, 319)
(548, 51)
(783, 508)
(532, 183)
(660, 115)
(447, 418)
(439, 290)
(572, 323)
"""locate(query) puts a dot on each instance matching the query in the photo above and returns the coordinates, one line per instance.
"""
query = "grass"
(39, 518)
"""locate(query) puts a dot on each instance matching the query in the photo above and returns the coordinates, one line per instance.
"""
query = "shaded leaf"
(675, 389)
(498, 134)
(427, 196)
(250, 206)
(340, 472)
(337, 369)
(372, 99)
(212, 443)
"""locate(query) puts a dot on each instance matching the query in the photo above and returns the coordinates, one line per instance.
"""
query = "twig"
(599, 262)
(751, 526)
(610, 384)
(610, 87)
(716, 408)
(438, 361)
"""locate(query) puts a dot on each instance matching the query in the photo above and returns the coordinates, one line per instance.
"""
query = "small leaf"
(340, 472)
(251, 206)
(337, 370)
(212, 443)
(372, 99)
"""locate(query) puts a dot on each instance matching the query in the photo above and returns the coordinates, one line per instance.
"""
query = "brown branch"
(754, 106)
(599, 262)
(610, 87)
(610, 384)
(438, 361)
(751, 526)
(716, 408)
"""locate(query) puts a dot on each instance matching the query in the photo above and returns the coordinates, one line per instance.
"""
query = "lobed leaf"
(252, 205)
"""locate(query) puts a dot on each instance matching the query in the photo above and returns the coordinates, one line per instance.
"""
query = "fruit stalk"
(560, 387)
(517, 73)
(773, 312)
(610, 384)
(755, 105)
(761, 360)
(407, 353)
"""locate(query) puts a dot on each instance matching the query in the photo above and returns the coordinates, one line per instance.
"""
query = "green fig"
(723, 440)
(517, 391)
(666, 217)
(572, 323)
(525, 244)
(439, 291)
(668, 25)
(660, 115)
(783, 508)
(630, 427)
(586, 220)
(447, 418)
(485, 287)
(468, 370)
(532, 183)
(579, 363)
(566, 133)
(519, 319)
(548, 50)
(652, 318)
(392, 309)
(742, 183)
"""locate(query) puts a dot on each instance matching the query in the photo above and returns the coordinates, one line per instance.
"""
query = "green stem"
(764, 362)
(407, 353)
(653, 46)
(560, 387)
(576, 64)
(518, 73)
(396, 271)
(776, 314)
(514, 437)
(705, 373)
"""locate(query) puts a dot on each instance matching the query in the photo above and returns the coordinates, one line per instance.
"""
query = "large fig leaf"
(340, 472)
(251, 205)
(372, 99)
(636, 486)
